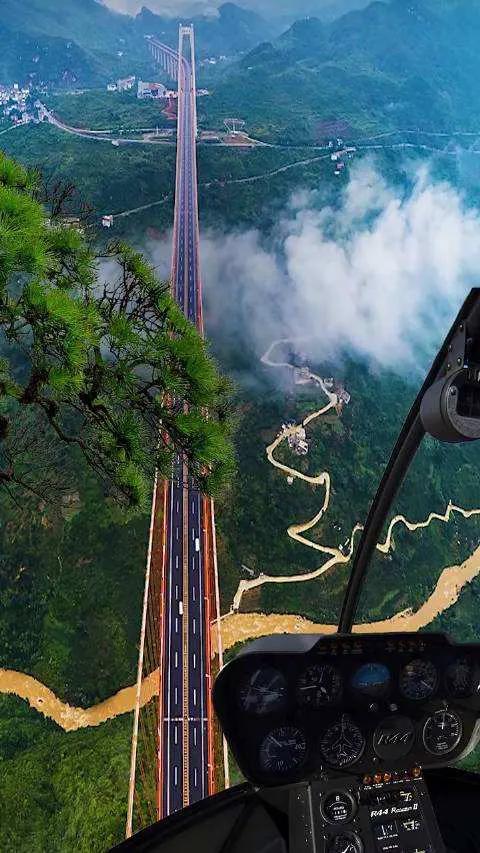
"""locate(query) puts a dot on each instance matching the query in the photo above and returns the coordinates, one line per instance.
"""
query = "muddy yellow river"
(236, 626)
(245, 626)
(68, 717)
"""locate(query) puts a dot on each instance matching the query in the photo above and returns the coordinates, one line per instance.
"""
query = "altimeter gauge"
(419, 679)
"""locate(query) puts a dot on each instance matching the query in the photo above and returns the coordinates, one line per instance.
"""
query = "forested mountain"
(234, 30)
(77, 42)
(396, 65)
(82, 42)
(286, 11)
(43, 59)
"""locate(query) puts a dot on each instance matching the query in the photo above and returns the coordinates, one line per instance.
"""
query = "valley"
(71, 585)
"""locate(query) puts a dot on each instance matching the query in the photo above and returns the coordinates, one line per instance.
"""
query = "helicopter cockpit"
(351, 723)
(350, 741)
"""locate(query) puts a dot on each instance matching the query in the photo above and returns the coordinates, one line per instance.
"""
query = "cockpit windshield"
(425, 572)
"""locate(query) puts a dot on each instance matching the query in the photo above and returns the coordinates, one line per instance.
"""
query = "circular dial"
(263, 691)
(338, 807)
(347, 842)
(418, 679)
(442, 732)
(372, 679)
(459, 678)
(343, 743)
(319, 685)
(283, 750)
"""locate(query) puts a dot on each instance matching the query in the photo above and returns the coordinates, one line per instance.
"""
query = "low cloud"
(166, 8)
(380, 277)
(268, 8)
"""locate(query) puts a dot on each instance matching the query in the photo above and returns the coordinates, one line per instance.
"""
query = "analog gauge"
(263, 692)
(338, 807)
(442, 732)
(319, 685)
(283, 750)
(372, 679)
(459, 678)
(418, 679)
(347, 842)
(343, 743)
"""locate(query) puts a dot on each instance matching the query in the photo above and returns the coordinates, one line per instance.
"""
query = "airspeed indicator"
(283, 750)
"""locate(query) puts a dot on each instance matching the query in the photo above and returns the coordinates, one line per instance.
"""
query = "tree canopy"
(96, 355)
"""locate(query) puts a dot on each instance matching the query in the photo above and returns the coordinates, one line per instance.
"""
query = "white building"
(298, 442)
(126, 84)
(107, 221)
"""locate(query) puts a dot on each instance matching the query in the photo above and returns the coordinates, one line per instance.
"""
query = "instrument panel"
(293, 707)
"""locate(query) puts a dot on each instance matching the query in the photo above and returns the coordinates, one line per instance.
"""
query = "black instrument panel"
(292, 707)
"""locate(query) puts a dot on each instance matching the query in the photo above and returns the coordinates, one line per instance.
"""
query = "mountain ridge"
(387, 66)
(86, 43)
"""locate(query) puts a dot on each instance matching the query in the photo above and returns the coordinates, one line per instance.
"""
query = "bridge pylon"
(187, 34)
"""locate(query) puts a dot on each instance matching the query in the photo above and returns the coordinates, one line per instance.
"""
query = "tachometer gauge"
(283, 750)
(343, 743)
(319, 685)
(372, 679)
(459, 678)
(263, 692)
(442, 732)
(418, 679)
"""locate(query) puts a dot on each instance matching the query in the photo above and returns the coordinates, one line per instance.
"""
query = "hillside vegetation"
(88, 43)
(61, 792)
(71, 582)
(354, 450)
(395, 65)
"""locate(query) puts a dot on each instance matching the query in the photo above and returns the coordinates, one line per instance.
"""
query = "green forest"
(71, 581)
(71, 615)
(389, 66)
(97, 109)
(61, 792)
(354, 450)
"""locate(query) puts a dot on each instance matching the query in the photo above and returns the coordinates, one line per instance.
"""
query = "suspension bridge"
(172, 762)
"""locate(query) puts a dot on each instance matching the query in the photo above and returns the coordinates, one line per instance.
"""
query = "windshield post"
(408, 442)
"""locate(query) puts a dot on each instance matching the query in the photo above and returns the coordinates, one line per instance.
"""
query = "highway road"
(185, 683)
(105, 135)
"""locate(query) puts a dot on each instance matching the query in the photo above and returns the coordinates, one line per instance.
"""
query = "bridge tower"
(186, 38)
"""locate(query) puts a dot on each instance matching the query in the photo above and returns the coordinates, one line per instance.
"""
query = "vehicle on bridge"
(349, 742)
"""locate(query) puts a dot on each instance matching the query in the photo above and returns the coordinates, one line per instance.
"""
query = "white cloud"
(381, 276)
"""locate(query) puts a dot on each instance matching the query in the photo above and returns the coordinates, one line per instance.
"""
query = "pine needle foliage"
(102, 355)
